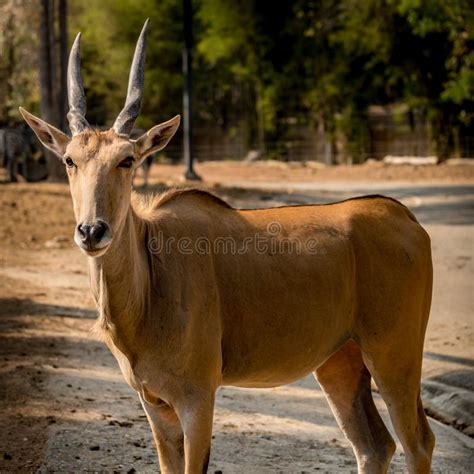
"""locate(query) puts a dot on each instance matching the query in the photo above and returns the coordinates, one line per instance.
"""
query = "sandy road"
(65, 407)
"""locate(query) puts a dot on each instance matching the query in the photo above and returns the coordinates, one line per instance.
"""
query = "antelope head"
(100, 164)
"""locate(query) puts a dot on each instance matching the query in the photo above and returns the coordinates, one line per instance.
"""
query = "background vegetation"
(263, 67)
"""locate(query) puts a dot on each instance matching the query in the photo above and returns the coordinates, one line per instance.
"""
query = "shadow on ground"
(26, 306)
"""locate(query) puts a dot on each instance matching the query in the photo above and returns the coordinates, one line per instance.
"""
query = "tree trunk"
(52, 89)
(441, 131)
(45, 61)
(7, 70)
(62, 65)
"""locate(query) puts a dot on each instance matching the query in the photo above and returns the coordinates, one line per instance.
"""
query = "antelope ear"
(156, 138)
(49, 136)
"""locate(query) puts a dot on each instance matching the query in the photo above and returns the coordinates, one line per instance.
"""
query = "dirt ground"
(232, 173)
(63, 403)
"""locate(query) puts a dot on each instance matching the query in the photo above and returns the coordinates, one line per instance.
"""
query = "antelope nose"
(91, 235)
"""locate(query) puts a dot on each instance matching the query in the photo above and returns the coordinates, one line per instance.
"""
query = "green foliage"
(261, 65)
(18, 68)
(107, 54)
(444, 30)
(226, 36)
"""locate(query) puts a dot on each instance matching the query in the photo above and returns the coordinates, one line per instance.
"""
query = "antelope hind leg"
(394, 359)
(397, 376)
(346, 383)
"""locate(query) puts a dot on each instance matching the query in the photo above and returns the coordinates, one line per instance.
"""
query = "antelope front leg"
(196, 415)
(168, 435)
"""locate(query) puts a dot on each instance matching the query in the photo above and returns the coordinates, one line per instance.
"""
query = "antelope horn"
(75, 90)
(124, 123)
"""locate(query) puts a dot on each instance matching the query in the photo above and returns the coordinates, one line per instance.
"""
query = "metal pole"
(190, 174)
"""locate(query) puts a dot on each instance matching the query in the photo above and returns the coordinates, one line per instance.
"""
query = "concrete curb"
(451, 405)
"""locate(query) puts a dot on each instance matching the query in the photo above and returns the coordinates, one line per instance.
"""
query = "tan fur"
(352, 306)
(95, 138)
(228, 323)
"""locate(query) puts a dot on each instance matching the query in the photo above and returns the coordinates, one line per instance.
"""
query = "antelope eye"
(69, 162)
(127, 162)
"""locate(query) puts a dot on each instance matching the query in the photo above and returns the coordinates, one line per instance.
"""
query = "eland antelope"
(340, 290)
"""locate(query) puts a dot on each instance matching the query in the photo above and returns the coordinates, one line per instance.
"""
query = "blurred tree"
(261, 67)
(358, 54)
(231, 63)
(440, 70)
(52, 73)
(18, 66)
(107, 54)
